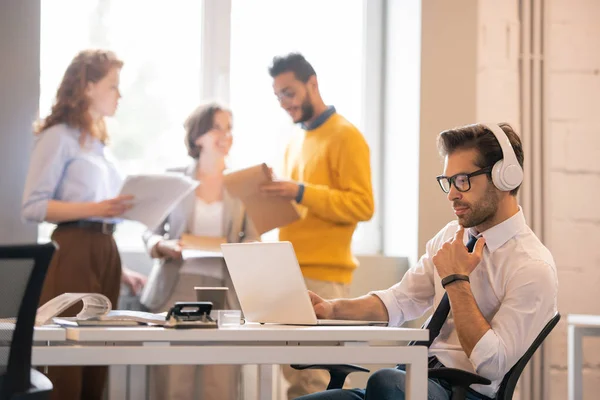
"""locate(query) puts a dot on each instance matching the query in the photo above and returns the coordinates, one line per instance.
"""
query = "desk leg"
(416, 375)
(575, 363)
(137, 382)
(265, 382)
(117, 382)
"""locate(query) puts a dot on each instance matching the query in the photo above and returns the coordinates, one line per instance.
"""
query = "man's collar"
(499, 234)
(320, 120)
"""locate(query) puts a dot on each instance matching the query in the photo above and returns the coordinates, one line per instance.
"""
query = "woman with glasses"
(210, 212)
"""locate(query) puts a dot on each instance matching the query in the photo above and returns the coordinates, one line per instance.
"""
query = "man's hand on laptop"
(365, 308)
(323, 308)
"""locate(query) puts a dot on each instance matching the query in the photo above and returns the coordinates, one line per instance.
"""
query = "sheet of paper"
(155, 196)
(187, 254)
(115, 318)
(266, 213)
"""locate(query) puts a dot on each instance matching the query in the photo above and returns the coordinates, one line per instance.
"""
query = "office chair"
(22, 272)
(459, 380)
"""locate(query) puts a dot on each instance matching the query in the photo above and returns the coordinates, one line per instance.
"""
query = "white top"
(515, 287)
(208, 221)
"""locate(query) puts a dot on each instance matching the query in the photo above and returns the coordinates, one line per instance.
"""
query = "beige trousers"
(311, 381)
(187, 382)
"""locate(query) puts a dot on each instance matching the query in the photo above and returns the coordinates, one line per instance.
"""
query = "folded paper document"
(201, 246)
(206, 243)
(155, 196)
(115, 318)
(96, 310)
(265, 212)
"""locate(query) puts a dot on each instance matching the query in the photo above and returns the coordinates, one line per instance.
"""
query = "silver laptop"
(269, 284)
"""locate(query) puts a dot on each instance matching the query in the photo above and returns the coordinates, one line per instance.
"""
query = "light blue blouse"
(61, 169)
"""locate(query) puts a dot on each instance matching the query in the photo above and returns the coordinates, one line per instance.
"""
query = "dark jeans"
(386, 384)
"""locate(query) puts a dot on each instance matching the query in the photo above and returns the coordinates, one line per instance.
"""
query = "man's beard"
(480, 212)
(308, 111)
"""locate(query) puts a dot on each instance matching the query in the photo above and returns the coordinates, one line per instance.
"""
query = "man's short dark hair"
(293, 62)
(478, 137)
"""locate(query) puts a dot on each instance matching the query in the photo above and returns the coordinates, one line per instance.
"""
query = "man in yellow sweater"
(327, 172)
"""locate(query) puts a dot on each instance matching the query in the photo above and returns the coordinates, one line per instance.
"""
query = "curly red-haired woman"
(72, 183)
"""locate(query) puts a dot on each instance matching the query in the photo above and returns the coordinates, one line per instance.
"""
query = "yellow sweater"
(332, 161)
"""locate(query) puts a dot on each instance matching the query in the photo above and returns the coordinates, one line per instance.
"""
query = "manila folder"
(265, 212)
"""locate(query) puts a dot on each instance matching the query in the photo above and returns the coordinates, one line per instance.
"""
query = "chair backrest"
(22, 272)
(508, 384)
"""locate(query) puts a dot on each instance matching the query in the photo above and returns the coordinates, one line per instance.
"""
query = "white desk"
(249, 344)
(49, 333)
(579, 326)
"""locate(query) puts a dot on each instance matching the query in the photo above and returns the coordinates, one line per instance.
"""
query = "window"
(402, 114)
(162, 80)
(330, 34)
(160, 44)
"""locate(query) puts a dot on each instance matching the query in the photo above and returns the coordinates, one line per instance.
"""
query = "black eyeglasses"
(462, 182)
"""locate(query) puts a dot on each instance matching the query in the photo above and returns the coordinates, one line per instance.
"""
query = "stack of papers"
(155, 196)
(206, 243)
(115, 318)
(201, 246)
(96, 310)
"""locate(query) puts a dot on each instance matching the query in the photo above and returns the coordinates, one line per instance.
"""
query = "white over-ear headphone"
(507, 173)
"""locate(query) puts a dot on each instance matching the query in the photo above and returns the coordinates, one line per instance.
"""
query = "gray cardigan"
(165, 274)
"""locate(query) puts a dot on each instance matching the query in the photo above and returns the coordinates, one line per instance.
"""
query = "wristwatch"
(454, 277)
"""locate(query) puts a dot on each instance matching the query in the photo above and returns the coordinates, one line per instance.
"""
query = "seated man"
(502, 291)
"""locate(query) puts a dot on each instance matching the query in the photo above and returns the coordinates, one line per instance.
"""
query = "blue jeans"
(385, 384)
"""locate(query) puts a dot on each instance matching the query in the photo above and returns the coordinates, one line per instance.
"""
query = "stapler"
(190, 315)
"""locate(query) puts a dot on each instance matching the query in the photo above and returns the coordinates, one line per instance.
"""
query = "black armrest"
(459, 380)
(457, 377)
(338, 372)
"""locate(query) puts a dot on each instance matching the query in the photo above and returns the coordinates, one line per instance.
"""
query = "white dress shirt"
(515, 287)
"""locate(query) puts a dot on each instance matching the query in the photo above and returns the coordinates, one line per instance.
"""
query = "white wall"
(573, 96)
(469, 73)
(448, 97)
(19, 89)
